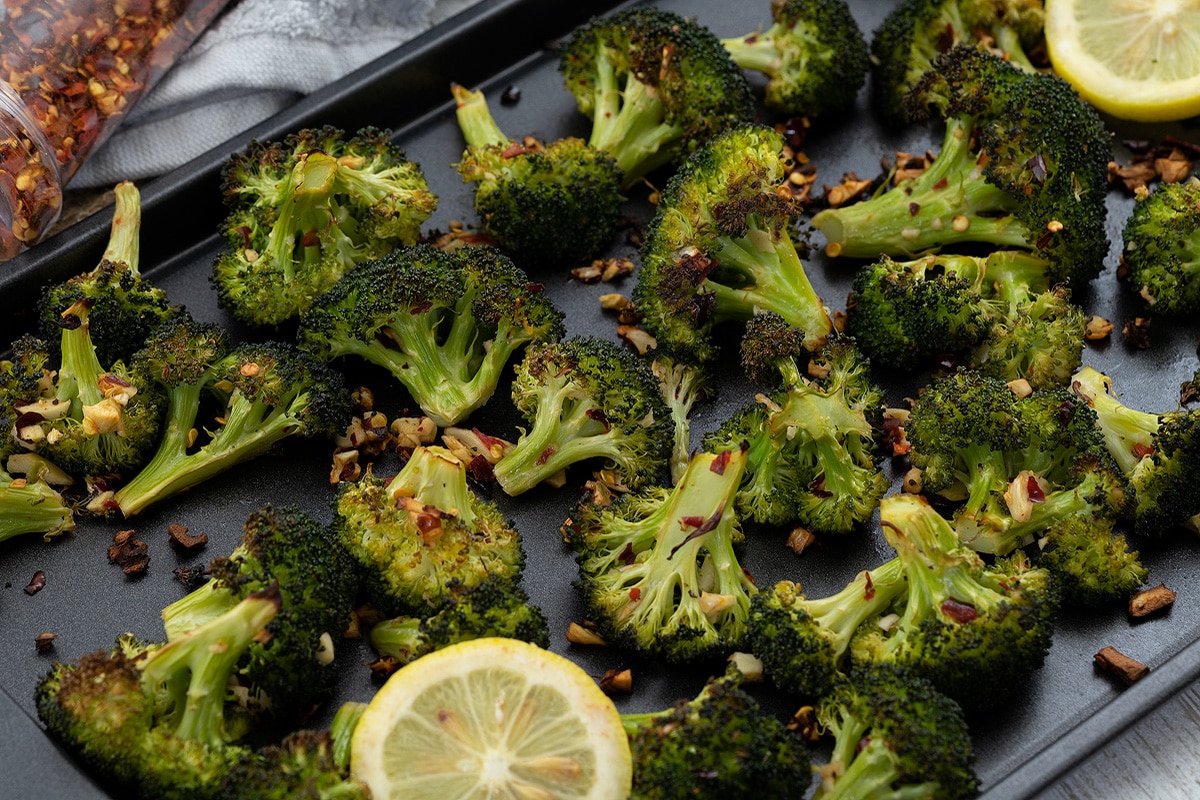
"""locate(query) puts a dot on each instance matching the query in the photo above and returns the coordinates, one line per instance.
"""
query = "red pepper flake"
(942, 184)
(719, 463)
(37, 583)
(545, 455)
(1037, 168)
(1142, 450)
(599, 416)
(635, 594)
(513, 150)
(869, 592)
(627, 556)
(480, 469)
(914, 209)
(1034, 489)
(694, 521)
(958, 611)
(309, 239)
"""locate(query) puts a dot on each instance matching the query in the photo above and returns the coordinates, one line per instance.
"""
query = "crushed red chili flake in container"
(71, 70)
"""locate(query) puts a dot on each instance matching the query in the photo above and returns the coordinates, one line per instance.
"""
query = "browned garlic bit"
(1125, 669)
(579, 634)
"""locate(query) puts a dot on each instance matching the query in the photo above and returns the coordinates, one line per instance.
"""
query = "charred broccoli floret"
(720, 744)
(812, 441)
(265, 393)
(586, 398)
(304, 211)
(658, 570)
(154, 720)
(489, 608)
(813, 55)
(999, 314)
(916, 32)
(895, 737)
(1159, 453)
(655, 85)
(443, 324)
(1162, 248)
(1022, 166)
(547, 205)
(126, 306)
(1091, 563)
(417, 534)
(294, 669)
(720, 249)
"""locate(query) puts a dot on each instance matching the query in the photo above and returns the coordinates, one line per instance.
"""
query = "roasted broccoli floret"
(546, 204)
(24, 377)
(658, 570)
(443, 324)
(489, 608)
(1159, 453)
(915, 32)
(803, 641)
(304, 211)
(718, 745)
(976, 631)
(894, 737)
(1018, 464)
(1162, 248)
(294, 669)
(683, 385)
(86, 418)
(158, 721)
(31, 505)
(265, 393)
(1092, 564)
(126, 306)
(813, 55)
(423, 532)
(1023, 165)
(719, 248)
(999, 314)
(586, 398)
(655, 85)
(812, 441)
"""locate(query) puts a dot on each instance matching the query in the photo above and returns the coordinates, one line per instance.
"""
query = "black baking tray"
(1067, 711)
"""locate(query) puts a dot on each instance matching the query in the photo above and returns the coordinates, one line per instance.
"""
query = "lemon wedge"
(1133, 59)
(491, 718)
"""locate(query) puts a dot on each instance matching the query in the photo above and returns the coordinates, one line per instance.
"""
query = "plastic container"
(69, 72)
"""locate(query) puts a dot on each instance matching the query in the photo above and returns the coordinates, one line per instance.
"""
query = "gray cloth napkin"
(259, 58)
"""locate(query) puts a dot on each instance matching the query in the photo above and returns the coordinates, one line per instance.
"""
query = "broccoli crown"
(305, 210)
(87, 418)
(1162, 248)
(916, 32)
(976, 631)
(1092, 565)
(546, 204)
(267, 392)
(126, 307)
(1023, 166)
(422, 531)
(719, 744)
(32, 506)
(895, 736)
(301, 767)
(586, 398)
(489, 608)
(1160, 453)
(683, 384)
(811, 443)
(294, 668)
(657, 568)
(655, 85)
(803, 641)
(813, 55)
(443, 324)
(719, 247)
(154, 719)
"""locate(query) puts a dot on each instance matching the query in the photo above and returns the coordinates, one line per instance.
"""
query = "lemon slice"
(491, 718)
(1134, 59)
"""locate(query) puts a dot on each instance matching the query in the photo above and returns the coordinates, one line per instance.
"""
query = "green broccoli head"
(813, 55)
(719, 744)
(1092, 565)
(424, 533)
(1023, 165)
(586, 398)
(1162, 248)
(655, 85)
(895, 735)
(304, 211)
(304, 766)
(916, 32)
(443, 324)
(546, 204)
(657, 568)
(719, 248)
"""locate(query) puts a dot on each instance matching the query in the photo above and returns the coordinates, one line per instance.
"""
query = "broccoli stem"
(80, 371)
(195, 669)
(772, 278)
(864, 598)
(949, 203)
(341, 730)
(1009, 43)
(824, 419)
(304, 210)
(196, 608)
(475, 119)
(1128, 433)
(869, 770)
(32, 508)
(183, 404)
(124, 240)
(435, 478)
(399, 638)
(1001, 534)
(755, 51)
